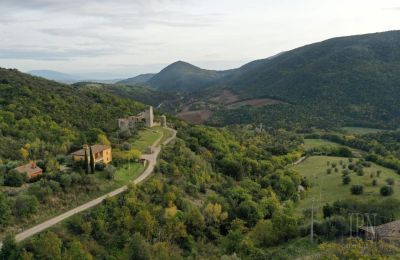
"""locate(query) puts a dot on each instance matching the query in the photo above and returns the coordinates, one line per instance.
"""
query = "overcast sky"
(126, 37)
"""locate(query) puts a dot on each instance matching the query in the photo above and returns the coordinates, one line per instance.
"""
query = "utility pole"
(312, 222)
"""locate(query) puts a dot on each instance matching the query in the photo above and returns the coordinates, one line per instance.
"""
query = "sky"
(123, 38)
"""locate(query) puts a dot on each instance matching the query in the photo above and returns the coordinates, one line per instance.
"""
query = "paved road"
(151, 159)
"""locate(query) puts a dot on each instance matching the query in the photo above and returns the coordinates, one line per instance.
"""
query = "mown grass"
(146, 138)
(329, 187)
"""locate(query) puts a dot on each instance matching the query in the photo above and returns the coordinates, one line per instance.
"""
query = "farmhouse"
(101, 153)
(146, 116)
(389, 231)
(31, 170)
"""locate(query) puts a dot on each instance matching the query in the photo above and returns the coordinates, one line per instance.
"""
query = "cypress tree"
(86, 162)
(91, 160)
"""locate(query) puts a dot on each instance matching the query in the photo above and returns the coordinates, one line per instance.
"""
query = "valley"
(296, 156)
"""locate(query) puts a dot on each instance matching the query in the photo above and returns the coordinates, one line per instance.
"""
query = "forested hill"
(52, 115)
(142, 78)
(352, 78)
(182, 76)
(362, 69)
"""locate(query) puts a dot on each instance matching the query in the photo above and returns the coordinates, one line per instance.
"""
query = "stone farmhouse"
(146, 116)
(31, 170)
(388, 232)
(101, 153)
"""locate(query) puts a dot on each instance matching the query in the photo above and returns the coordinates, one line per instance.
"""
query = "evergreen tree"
(91, 162)
(86, 162)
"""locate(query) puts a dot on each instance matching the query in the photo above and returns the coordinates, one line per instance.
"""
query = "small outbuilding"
(31, 170)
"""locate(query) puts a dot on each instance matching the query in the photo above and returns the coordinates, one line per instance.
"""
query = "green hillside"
(138, 92)
(352, 80)
(140, 79)
(182, 76)
(52, 116)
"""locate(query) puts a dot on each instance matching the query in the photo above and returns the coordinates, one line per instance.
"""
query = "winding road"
(150, 158)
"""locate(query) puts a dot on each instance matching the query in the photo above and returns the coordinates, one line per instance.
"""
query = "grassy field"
(146, 138)
(361, 130)
(315, 143)
(318, 143)
(329, 187)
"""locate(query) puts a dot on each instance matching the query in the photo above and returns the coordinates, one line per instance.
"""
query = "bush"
(346, 179)
(328, 171)
(15, 179)
(25, 205)
(386, 190)
(357, 189)
(390, 181)
(125, 146)
(110, 171)
(124, 133)
(374, 182)
(99, 166)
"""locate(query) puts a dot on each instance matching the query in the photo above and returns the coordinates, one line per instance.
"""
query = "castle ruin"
(146, 116)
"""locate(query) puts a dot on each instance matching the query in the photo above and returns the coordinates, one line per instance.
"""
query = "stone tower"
(163, 121)
(149, 116)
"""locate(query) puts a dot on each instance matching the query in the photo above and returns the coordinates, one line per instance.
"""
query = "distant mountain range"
(72, 78)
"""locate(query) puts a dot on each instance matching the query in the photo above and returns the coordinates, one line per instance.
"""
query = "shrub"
(14, 178)
(390, 181)
(374, 182)
(25, 205)
(99, 166)
(346, 179)
(360, 172)
(357, 189)
(386, 190)
(124, 134)
(125, 146)
(328, 171)
(110, 171)
(345, 172)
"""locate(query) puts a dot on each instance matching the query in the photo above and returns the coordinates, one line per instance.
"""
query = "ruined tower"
(149, 116)
(163, 121)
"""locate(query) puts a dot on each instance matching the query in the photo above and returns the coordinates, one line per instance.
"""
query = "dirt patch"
(226, 97)
(258, 102)
(195, 117)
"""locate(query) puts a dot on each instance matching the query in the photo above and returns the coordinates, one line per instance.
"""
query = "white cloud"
(129, 36)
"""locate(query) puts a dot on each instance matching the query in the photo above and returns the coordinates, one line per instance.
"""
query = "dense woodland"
(47, 118)
(216, 193)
